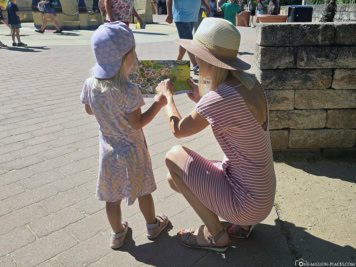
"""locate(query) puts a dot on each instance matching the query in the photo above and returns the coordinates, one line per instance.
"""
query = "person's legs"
(13, 33)
(17, 31)
(185, 31)
(113, 211)
(44, 21)
(55, 21)
(176, 159)
(147, 208)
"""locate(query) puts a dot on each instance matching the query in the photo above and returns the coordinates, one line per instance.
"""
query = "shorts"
(185, 30)
(15, 26)
(49, 10)
(253, 12)
(1, 16)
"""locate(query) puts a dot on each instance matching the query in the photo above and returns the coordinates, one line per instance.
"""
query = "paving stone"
(69, 182)
(40, 179)
(7, 261)
(31, 196)
(23, 163)
(10, 190)
(4, 208)
(64, 199)
(50, 164)
(11, 147)
(55, 221)
(14, 176)
(6, 158)
(90, 205)
(30, 150)
(21, 217)
(89, 226)
(58, 151)
(44, 248)
(15, 239)
(83, 153)
(79, 166)
(86, 252)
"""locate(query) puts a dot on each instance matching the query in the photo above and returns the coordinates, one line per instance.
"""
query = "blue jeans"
(185, 30)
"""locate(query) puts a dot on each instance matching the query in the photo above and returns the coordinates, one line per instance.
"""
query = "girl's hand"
(194, 95)
(165, 88)
(161, 100)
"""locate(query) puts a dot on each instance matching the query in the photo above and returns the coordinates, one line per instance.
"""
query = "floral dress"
(125, 168)
(122, 9)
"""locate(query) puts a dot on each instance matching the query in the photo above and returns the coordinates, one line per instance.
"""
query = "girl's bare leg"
(13, 33)
(55, 21)
(17, 31)
(175, 161)
(113, 211)
(147, 208)
(44, 22)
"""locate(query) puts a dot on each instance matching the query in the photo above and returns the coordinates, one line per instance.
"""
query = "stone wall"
(344, 12)
(309, 73)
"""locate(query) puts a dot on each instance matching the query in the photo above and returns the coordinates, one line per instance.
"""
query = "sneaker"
(39, 31)
(196, 69)
(117, 239)
(21, 44)
(58, 31)
(154, 229)
(14, 44)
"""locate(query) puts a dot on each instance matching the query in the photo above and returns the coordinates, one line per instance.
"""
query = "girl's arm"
(88, 109)
(108, 7)
(181, 127)
(138, 120)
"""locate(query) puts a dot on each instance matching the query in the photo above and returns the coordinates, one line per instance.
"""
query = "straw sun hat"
(217, 42)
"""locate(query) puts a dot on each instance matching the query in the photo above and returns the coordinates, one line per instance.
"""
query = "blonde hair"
(120, 80)
(219, 75)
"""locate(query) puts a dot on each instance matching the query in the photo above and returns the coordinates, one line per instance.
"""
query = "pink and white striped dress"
(241, 188)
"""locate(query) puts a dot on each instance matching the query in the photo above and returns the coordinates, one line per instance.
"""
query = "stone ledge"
(344, 119)
(279, 139)
(298, 119)
(266, 57)
(344, 79)
(295, 79)
(280, 99)
(325, 99)
(295, 34)
(326, 57)
(323, 138)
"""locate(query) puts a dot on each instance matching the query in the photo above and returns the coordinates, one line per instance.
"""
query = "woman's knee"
(172, 154)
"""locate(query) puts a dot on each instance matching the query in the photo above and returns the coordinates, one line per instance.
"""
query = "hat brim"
(222, 62)
(106, 71)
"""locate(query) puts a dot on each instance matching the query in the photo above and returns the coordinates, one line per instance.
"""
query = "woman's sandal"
(188, 239)
(236, 231)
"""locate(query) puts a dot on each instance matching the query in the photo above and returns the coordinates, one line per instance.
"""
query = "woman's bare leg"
(55, 21)
(175, 161)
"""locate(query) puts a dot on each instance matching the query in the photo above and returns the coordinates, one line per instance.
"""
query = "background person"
(49, 13)
(121, 10)
(241, 188)
(230, 10)
(184, 13)
(13, 16)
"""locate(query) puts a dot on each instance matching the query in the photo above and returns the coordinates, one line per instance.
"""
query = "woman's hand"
(194, 95)
(165, 88)
(161, 100)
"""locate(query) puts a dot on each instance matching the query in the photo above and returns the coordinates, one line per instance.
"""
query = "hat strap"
(215, 49)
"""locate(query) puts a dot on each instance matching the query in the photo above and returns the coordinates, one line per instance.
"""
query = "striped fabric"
(241, 188)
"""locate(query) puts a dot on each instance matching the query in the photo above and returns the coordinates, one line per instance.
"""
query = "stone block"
(266, 57)
(344, 79)
(325, 99)
(326, 57)
(343, 33)
(341, 119)
(295, 79)
(298, 119)
(279, 139)
(280, 99)
(323, 138)
(295, 34)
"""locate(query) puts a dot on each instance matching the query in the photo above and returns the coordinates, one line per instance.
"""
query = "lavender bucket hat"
(110, 43)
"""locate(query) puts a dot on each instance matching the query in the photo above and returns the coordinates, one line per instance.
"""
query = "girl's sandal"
(236, 231)
(188, 239)
(117, 239)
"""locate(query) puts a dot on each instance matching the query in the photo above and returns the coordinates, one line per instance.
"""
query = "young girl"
(125, 169)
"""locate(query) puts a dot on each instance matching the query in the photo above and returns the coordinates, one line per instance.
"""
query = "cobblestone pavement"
(49, 161)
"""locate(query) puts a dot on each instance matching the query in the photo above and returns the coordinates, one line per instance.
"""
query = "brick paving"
(49, 161)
